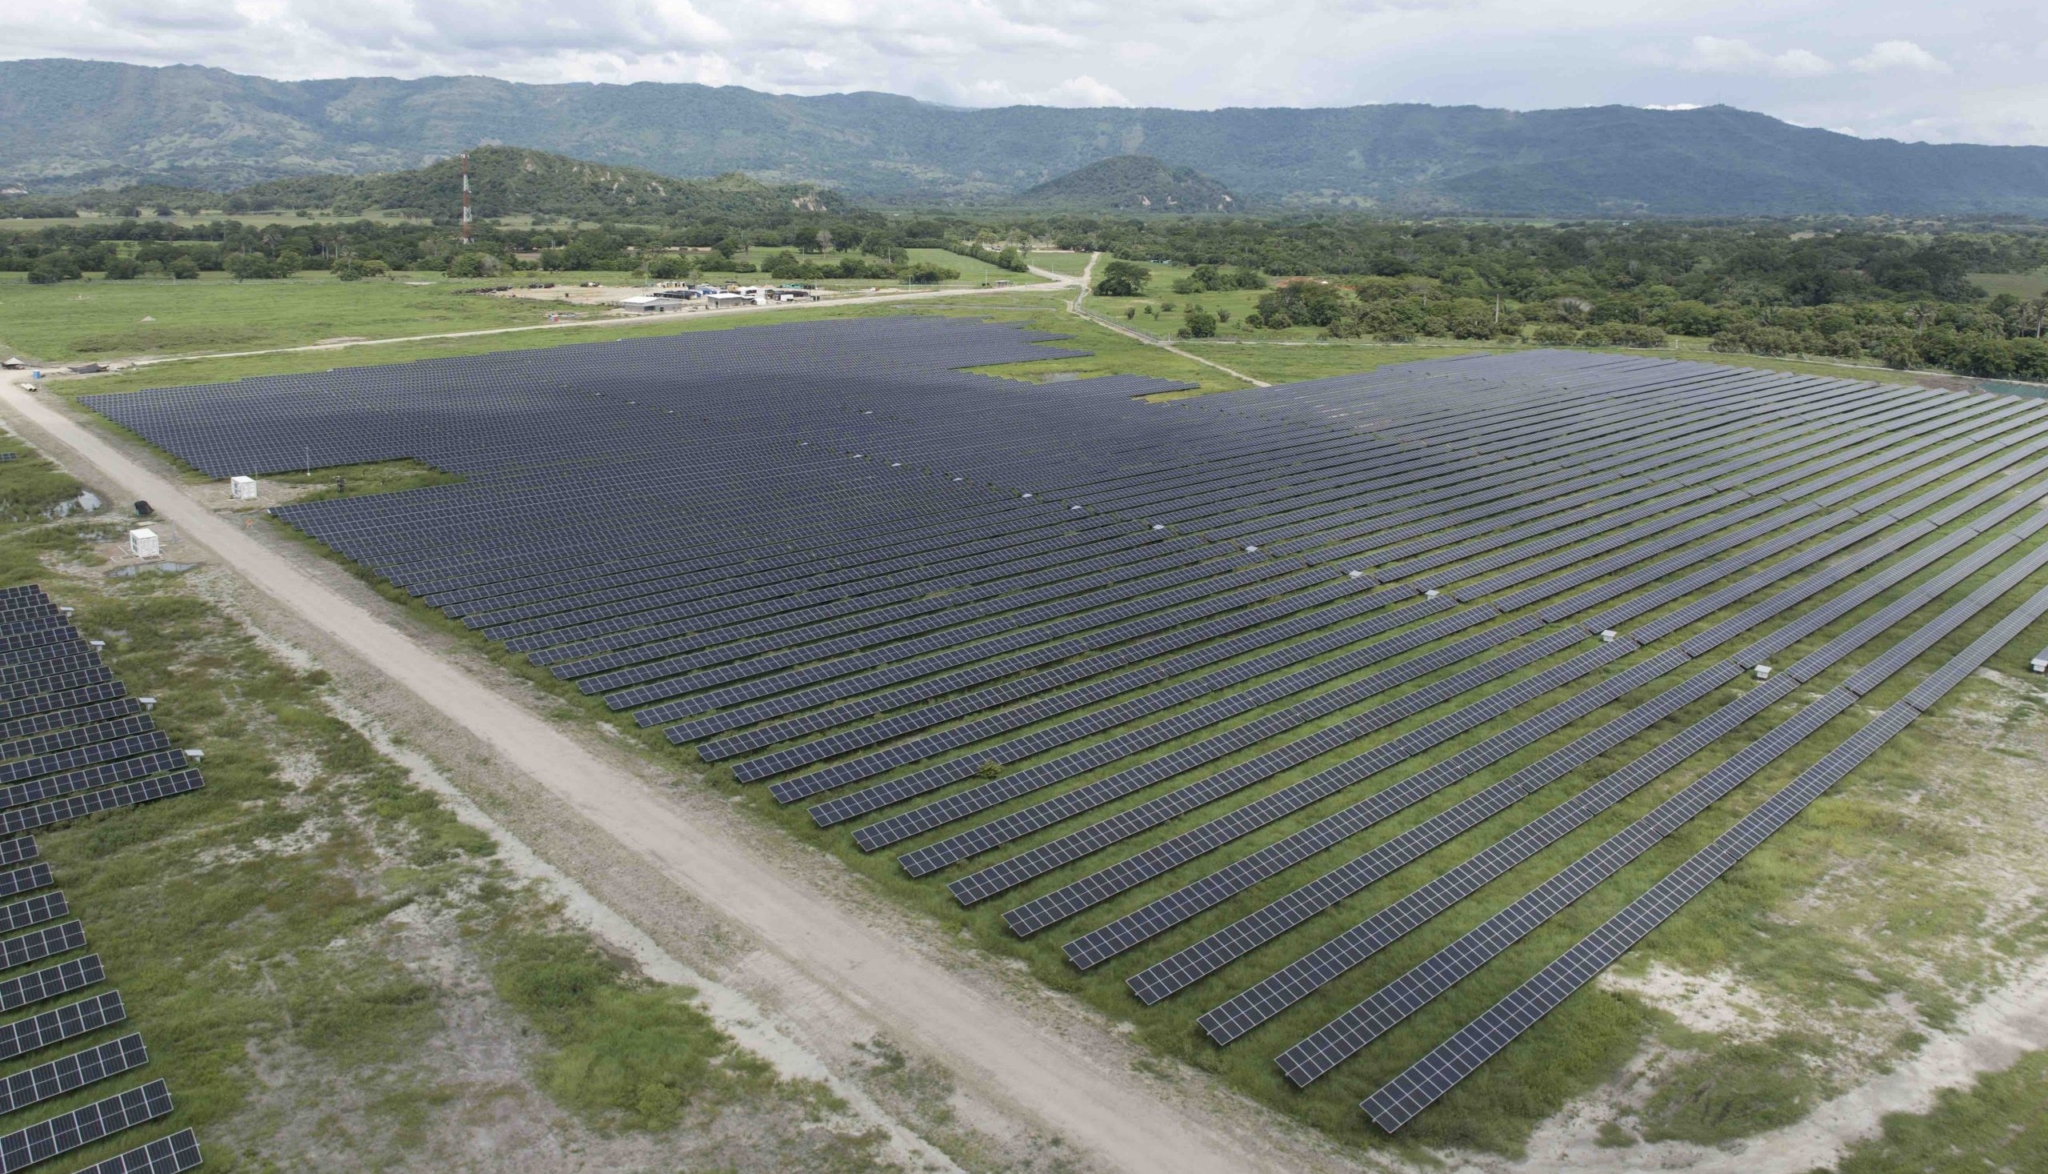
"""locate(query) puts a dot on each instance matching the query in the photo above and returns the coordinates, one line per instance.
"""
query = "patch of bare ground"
(1952, 911)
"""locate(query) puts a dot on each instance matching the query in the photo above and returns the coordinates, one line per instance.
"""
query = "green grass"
(973, 273)
(1290, 364)
(73, 320)
(2023, 285)
(1054, 261)
(1152, 316)
(1999, 1123)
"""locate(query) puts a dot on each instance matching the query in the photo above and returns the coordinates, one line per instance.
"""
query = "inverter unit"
(1763, 672)
(242, 488)
(143, 544)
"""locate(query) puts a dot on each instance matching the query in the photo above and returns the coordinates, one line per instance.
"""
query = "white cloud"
(1899, 55)
(1083, 91)
(1812, 62)
(1733, 55)
(1673, 106)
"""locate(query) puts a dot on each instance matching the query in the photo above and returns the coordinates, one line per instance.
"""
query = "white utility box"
(1763, 672)
(242, 488)
(2041, 664)
(143, 544)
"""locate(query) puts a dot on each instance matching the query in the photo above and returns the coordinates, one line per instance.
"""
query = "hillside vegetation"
(1132, 183)
(504, 181)
(69, 124)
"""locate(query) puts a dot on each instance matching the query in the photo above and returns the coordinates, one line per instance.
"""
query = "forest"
(1904, 293)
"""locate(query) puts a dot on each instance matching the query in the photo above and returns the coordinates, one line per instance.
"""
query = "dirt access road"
(1073, 1080)
(1074, 307)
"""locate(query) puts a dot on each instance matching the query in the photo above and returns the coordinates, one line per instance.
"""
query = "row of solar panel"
(69, 751)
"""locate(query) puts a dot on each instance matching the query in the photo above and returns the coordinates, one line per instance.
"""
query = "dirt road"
(1078, 1092)
(1074, 307)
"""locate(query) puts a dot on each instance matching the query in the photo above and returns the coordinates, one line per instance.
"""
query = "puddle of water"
(160, 568)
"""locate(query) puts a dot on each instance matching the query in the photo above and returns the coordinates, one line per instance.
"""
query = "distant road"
(1054, 280)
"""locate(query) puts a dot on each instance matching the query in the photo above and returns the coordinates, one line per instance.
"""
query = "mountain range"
(68, 124)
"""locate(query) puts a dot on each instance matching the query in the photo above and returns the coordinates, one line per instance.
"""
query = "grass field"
(1876, 897)
(2023, 285)
(972, 272)
(1151, 315)
(1054, 261)
(120, 319)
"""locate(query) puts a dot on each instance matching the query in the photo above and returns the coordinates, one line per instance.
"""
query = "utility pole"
(466, 219)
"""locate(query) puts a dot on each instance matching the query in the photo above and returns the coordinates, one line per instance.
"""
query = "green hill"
(503, 181)
(68, 124)
(511, 181)
(1132, 183)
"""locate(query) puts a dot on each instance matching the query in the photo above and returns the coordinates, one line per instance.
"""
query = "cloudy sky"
(1970, 70)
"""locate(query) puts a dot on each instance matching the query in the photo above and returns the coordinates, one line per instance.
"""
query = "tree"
(184, 269)
(471, 263)
(1198, 323)
(670, 268)
(1123, 279)
(123, 269)
(250, 266)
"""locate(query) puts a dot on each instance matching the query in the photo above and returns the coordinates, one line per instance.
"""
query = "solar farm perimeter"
(1162, 678)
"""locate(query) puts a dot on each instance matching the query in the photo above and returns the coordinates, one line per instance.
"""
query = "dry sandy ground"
(843, 971)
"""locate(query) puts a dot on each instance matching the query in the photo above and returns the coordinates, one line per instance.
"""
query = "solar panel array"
(72, 742)
(1165, 667)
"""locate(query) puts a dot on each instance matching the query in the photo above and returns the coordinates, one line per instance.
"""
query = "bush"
(1198, 323)
(925, 273)
(123, 269)
(1623, 334)
(1556, 334)
(184, 269)
(52, 268)
(353, 270)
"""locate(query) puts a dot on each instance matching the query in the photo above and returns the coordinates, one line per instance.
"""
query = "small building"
(242, 488)
(13, 364)
(647, 304)
(143, 544)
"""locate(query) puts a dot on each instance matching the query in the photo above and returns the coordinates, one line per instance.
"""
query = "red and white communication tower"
(465, 198)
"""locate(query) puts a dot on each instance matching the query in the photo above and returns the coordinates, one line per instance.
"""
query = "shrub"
(1198, 323)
